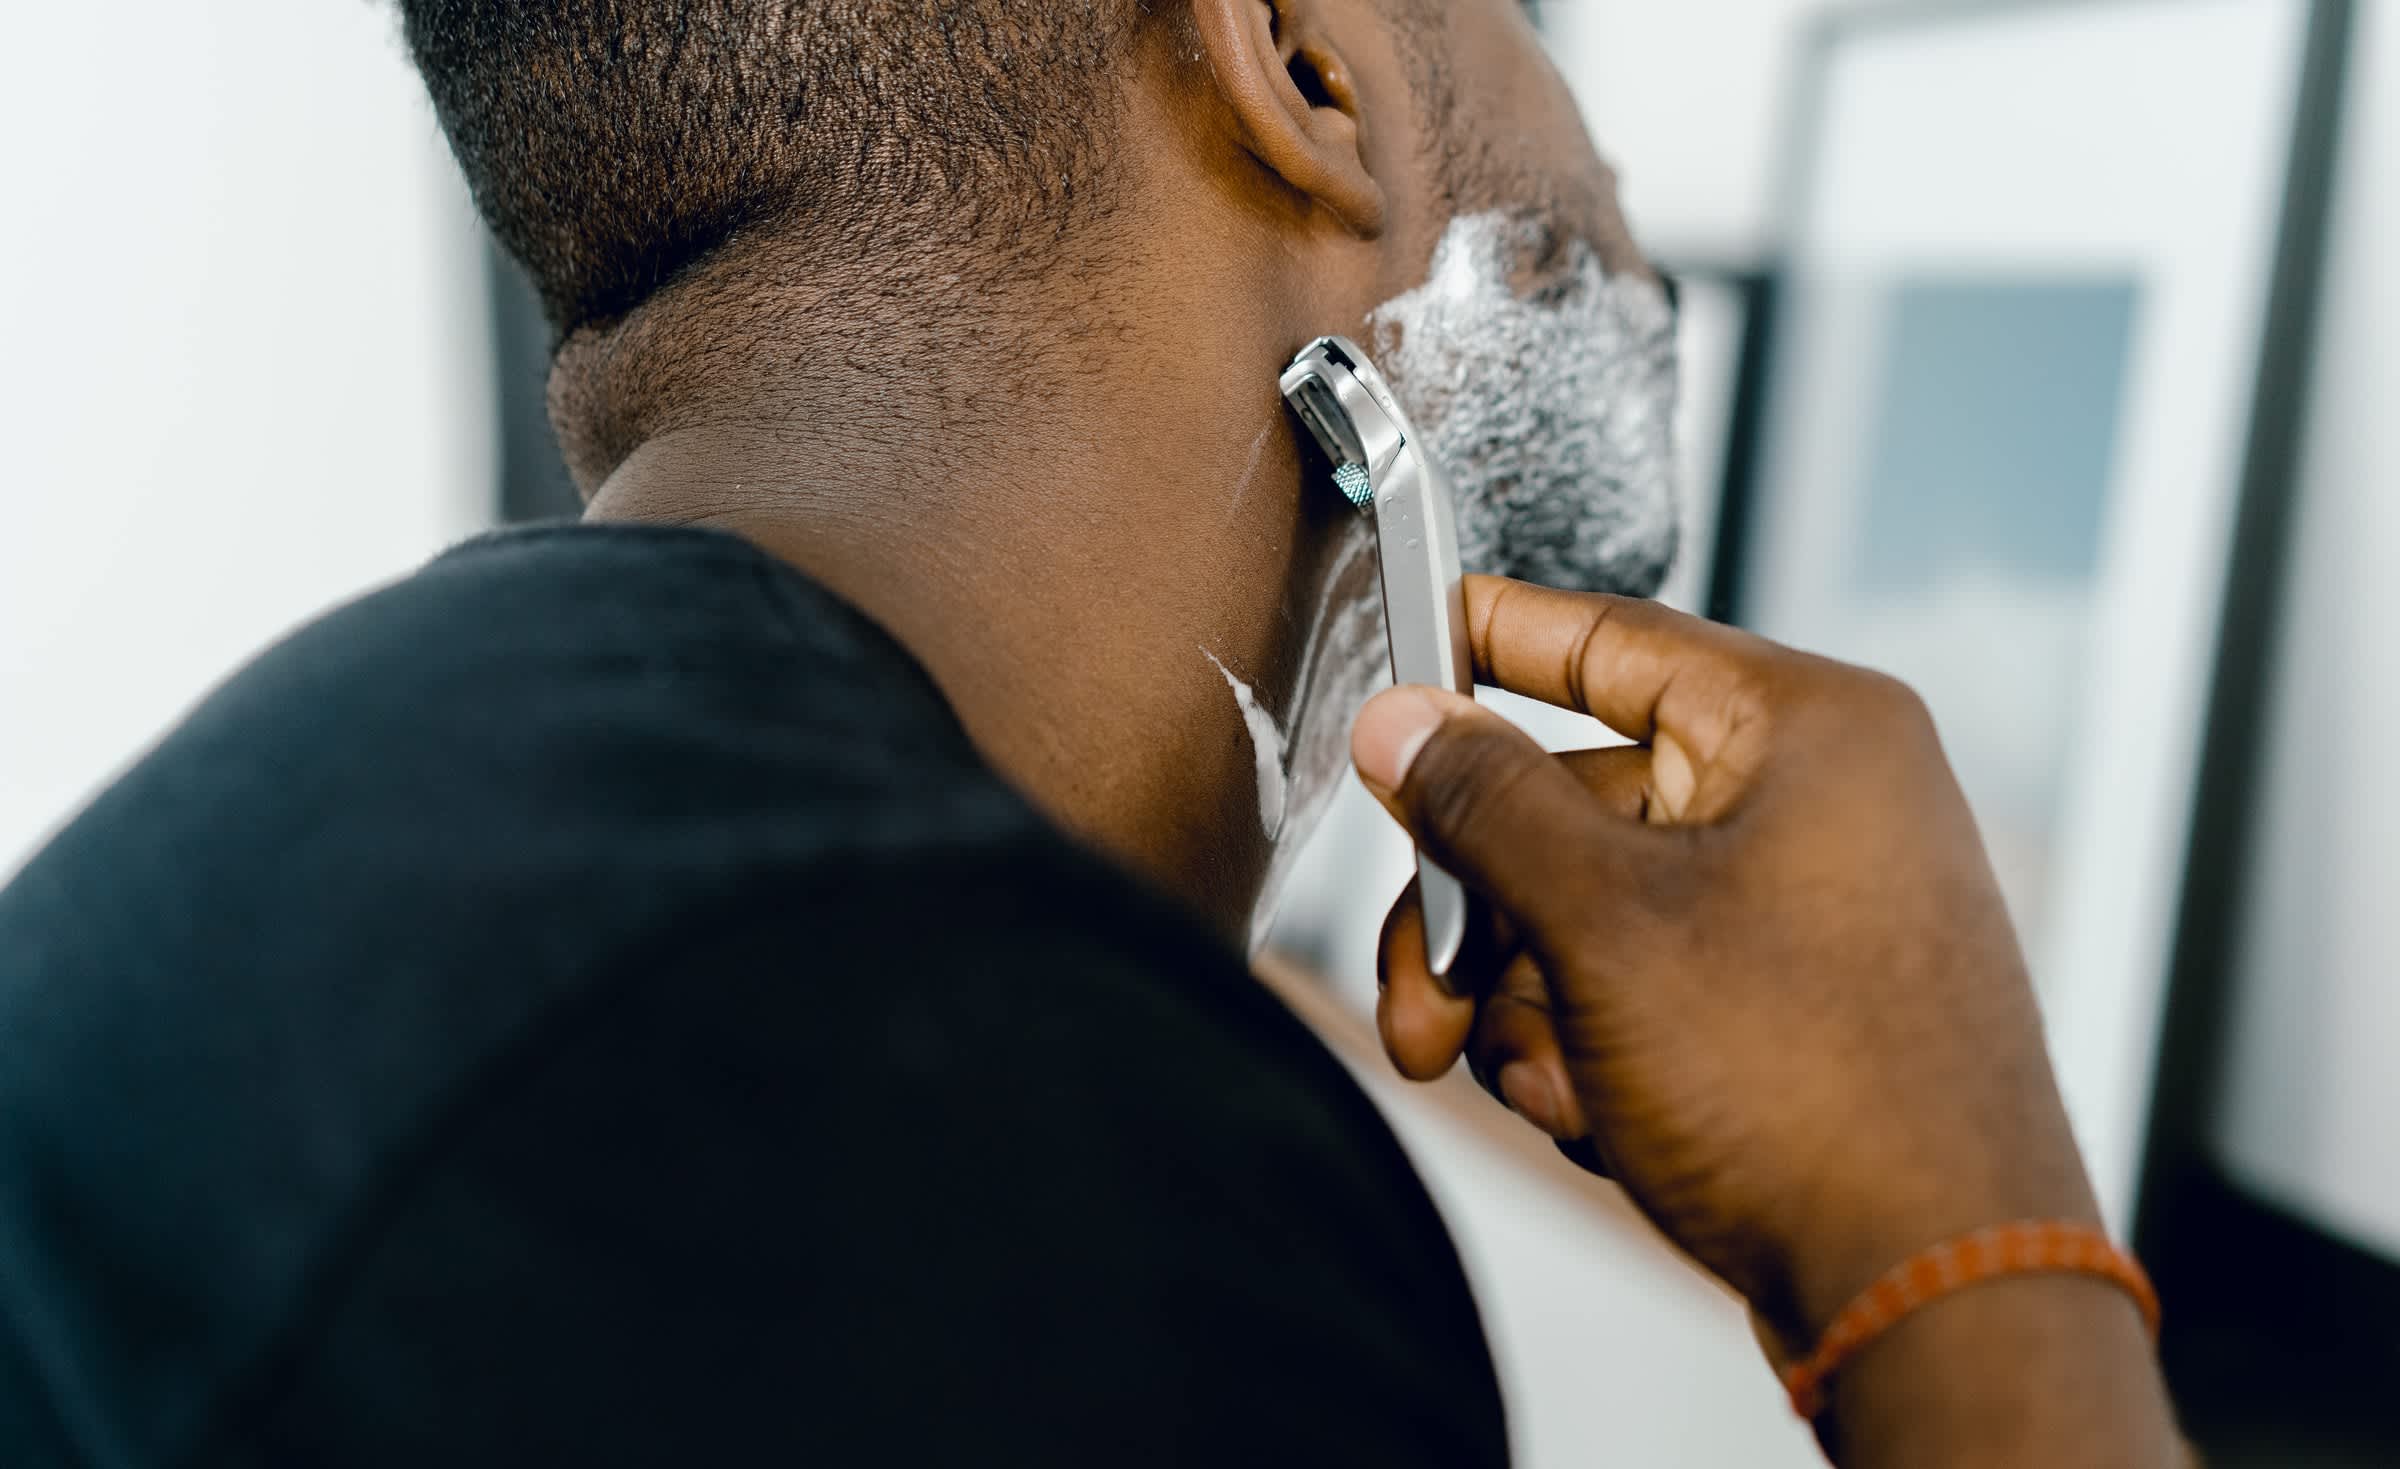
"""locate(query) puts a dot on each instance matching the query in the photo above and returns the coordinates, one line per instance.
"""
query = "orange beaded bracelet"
(2038, 1248)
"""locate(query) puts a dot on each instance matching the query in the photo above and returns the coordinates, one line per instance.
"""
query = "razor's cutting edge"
(1389, 472)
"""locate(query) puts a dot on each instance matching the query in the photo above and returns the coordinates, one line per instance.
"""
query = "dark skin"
(1057, 556)
(1060, 486)
(1757, 969)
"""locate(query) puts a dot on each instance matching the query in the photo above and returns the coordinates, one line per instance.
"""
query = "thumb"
(1492, 807)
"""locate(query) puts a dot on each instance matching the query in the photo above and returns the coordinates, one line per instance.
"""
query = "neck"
(1079, 551)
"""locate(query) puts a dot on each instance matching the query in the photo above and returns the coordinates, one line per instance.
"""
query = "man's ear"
(1295, 100)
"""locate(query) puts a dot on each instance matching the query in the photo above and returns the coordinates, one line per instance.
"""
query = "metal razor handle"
(1387, 471)
(1424, 605)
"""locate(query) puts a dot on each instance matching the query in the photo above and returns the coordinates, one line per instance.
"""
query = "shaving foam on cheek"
(1345, 662)
(1554, 411)
(1266, 744)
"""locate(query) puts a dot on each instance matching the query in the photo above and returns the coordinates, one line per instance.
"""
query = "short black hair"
(613, 144)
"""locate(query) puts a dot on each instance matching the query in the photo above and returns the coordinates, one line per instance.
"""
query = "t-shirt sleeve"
(937, 1179)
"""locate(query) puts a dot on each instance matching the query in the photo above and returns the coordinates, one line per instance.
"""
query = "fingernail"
(1391, 732)
(1528, 1094)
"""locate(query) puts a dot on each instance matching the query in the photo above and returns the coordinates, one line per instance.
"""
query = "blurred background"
(2038, 352)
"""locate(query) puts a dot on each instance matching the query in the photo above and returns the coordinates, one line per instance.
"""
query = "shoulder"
(486, 933)
(926, 1161)
(996, 1123)
(546, 738)
(234, 991)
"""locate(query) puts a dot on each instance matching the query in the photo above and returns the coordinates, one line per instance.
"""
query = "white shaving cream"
(1554, 413)
(1266, 744)
(1346, 661)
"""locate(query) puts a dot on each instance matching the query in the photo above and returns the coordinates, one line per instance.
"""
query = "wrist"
(2030, 1247)
(1836, 1261)
(2052, 1370)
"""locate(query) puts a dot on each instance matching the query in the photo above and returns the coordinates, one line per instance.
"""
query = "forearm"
(2056, 1372)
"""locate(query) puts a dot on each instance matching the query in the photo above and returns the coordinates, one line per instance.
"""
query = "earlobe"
(1295, 102)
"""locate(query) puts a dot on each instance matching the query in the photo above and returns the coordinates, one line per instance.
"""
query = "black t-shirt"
(589, 1005)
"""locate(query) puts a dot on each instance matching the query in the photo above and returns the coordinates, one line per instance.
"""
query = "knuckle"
(1736, 729)
(1751, 702)
(1843, 699)
(1904, 720)
(1894, 701)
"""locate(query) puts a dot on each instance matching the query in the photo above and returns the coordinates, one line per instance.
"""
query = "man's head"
(856, 152)
(974, 309)
(614, 144)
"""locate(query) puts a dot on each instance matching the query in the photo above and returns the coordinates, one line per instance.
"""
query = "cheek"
(1344, 662)
(1553, 415)
(1338, 667)
(1531, 152)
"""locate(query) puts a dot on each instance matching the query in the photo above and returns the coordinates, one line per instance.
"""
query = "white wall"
(245, 369)
(1688, 98)
(2313, 1114)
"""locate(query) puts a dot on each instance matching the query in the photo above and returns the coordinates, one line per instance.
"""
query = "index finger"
(1637, 667)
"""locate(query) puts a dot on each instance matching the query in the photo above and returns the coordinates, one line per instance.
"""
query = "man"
(754, 978)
